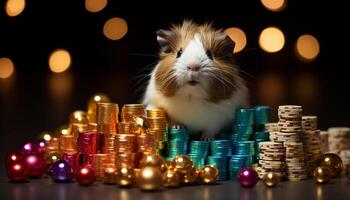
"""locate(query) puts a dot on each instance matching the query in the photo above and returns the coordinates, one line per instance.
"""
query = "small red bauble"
(36, 165)
(12, 157)
(248, 177)
(85, 176)
(29, 148)
(17, 172)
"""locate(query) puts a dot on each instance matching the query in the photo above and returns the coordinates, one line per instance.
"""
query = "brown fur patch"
(218, 90)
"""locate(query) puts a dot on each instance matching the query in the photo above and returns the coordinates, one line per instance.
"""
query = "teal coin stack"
(236, 163)
(220, 148)
(220, 162)
(260, 136)
(224, 136)
(262, 114)
(198, 153)
(177, 144)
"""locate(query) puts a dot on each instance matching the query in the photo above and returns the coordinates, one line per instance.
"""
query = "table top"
(46, 189)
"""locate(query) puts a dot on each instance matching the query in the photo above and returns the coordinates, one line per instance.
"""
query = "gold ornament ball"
(171, 178)
(153, 160)
(139, 124)
(322, 175)
(208, 174)
(78, 117)
(191, 176)
(271, 179)
(125, 177)
(150, 178)
(333, 162)
(182, 163)
(52, 158)
(347, 171)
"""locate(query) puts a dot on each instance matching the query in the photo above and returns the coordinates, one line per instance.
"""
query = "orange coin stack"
(131, 110)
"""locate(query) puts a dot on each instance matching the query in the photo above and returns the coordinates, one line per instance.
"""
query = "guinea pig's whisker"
(145, 55)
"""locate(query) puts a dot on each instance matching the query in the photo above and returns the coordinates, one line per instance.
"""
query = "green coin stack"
(220, 148)
(236, 163)
(198, 160)
(262, 114)
(177, 143)
(220, 162)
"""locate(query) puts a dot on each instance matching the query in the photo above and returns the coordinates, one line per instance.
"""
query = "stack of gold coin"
(124, 128)
(130, 110)
(146, 143)
(78, 128)
(125, 159)
(107, 117)
(53, 145)
(98, 165)
(157, 133)
(92, 127)
(109, 175)
(156, 112)
(68, 143)
(92, 106)
(157, 122)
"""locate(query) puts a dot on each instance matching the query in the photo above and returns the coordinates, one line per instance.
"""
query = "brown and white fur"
(195, 80)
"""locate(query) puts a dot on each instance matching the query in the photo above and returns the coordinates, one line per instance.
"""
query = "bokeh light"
(95, 5)
(274, 5)
(238, 36)
(115, 28)
(6, 68)
(59, 60)
(307, 47)
(14, 7)
(271, 39)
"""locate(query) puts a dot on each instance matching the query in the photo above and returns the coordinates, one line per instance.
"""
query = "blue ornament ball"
(62, 171)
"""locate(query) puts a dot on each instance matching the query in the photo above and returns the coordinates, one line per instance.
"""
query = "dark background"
(35, 99)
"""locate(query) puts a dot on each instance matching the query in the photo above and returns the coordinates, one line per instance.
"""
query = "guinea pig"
(195, 80)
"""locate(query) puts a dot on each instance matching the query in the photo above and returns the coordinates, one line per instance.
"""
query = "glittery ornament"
(36, 165)
(85, 176)
(182, 163)
(61, 171)
(333, 162)
(208, 174)
(248, 177)
(171, 178)
(153, 160)
(322, 174)
(190, 177)
(271, 179)
(150, 178)
(17, 171)
(125, 177)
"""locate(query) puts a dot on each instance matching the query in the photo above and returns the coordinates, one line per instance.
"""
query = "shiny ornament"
(61, 171)
(190, 177)
(36, 165)
(248, 177)
(171, 178)
(347, 171)
(125, 177)
(208, 174)
(29, 148)
(322, 174)
(109, 176)
(17, 171)
(139, 124)
(153, 160)
(271, 179)
(182, 163)
(12, 157)
(150, 178)
(333, 162)
(85, 176)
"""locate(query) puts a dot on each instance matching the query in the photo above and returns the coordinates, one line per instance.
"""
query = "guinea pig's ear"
(229, 44)
(165, 38)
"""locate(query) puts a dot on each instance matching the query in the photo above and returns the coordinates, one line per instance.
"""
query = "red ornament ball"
(17, 172)
(41, 146)
(12, 157)
(36, 165)
(248, 177)
(85, 176)
(29, 148)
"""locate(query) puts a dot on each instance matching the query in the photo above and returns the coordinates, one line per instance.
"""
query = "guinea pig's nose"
(194, 68)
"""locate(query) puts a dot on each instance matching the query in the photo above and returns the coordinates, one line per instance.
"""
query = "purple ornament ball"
(248, 177)
(62, 171)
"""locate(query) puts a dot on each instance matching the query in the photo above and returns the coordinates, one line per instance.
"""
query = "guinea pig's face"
(195, 56)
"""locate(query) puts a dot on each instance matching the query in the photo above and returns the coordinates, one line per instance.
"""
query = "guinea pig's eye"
(179, 53)
(209, 54)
